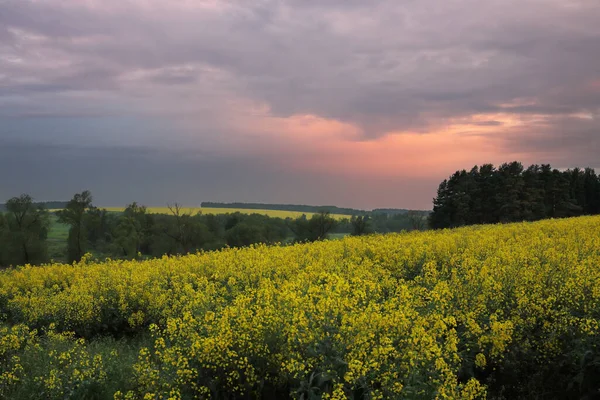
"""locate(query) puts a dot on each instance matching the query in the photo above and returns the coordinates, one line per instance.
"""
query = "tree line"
(512, 193)
(135, 233)
(285, 207)
(44, 204)
(304, 208)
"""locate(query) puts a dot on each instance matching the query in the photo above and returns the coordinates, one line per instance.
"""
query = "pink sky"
(362, 104)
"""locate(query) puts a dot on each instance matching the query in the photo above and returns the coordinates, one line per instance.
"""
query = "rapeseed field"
(213, 210)
(500, 311)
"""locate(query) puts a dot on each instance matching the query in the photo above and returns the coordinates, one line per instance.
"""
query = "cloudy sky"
(348, 102)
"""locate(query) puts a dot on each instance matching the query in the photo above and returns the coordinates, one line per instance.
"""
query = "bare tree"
(417, 219)
(182, 220)
(360, 225)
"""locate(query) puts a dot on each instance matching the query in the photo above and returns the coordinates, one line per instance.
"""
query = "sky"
(353, 103)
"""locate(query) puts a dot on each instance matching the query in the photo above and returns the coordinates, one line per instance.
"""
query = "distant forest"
(510, 193)
(285, 207)
(48, 205)
(304, 208)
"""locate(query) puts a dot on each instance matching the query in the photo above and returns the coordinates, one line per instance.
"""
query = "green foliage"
(511, 193)
(361, 225)
(180, 233)
(313, 229)
(244, 230)
(47, 205)
(3, 248)
(395, 222)
(132, 233)
(23, 232)
(56, 365)
(244, 234)
(138, 232)
(74, 214)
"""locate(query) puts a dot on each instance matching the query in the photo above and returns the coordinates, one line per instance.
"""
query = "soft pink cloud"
(365, 93)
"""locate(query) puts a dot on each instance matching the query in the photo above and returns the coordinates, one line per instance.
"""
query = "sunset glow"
(287, 99)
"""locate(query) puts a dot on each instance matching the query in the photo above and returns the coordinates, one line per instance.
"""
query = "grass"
(335, 236)
(207, 210)
(57, 239)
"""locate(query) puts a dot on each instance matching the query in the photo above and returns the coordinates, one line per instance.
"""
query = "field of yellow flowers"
(214, 210)
(499, 312)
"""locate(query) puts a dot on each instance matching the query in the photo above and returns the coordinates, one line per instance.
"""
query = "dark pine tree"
(511, 193)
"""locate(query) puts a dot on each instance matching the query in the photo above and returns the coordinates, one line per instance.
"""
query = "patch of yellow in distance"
(211, 210)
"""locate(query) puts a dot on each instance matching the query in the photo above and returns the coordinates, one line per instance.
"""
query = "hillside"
(502, 311)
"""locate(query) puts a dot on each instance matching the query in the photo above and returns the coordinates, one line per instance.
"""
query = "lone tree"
(74, 215)
(132, 232)
(361, 225)
(24, 230)
(184, 232)
(417, 220)
(180, 231)
(313, 229)
(321, 224)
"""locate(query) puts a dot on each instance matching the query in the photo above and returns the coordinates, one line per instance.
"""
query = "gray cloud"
(352, 60)
(384, 66)
(565, 141)
(488, 123)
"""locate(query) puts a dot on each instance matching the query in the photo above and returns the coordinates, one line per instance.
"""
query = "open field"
(499, 311)
(57, 238)
(206, 210)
